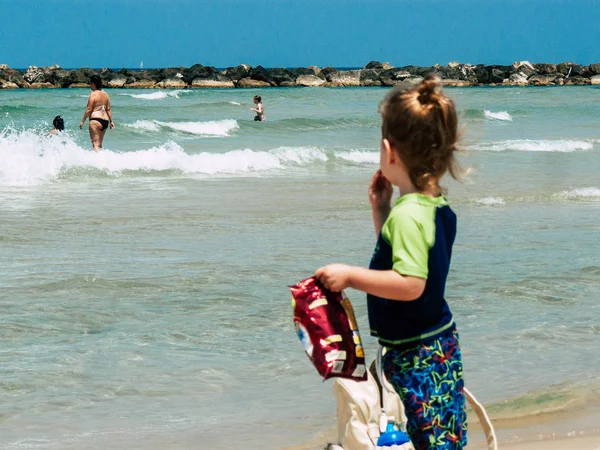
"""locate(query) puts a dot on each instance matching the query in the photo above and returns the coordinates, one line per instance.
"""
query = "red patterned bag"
(327, 328)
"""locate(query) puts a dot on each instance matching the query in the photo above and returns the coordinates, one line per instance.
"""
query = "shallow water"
(144, 288)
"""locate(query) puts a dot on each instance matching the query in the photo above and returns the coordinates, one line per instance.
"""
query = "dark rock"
(595, 69)
(148, 74)
(238, 72)
(482, 74)
(327, 71)
(422, 71)
(577, 80)
(297, 71)
(545, 69)
(374, 65)
(370, 77)
(11, 75)
(281, 75)
(171, 73)
(198, 71)
(497, 74)
(63, 78)
(259, 73)
(581, 71)
(374, 74)
(459, 72)
(80, 76)
(392, 77)
(564, 67)
(411, 69)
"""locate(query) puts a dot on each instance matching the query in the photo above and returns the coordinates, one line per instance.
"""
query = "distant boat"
(142, 65)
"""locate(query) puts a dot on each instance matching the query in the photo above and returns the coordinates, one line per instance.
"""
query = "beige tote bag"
(360, 411)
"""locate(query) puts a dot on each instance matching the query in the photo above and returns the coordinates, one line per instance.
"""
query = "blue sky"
(291, 33)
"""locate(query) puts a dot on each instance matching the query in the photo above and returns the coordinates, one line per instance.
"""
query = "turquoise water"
(144, 288)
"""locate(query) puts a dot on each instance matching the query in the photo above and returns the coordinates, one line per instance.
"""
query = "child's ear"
(390, 154)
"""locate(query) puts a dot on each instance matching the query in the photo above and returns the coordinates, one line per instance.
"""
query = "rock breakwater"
(520, 73)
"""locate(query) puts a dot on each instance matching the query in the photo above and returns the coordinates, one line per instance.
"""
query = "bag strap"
(381, 376)
(484, 420)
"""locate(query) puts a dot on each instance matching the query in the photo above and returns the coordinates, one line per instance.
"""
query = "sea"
(144, 289)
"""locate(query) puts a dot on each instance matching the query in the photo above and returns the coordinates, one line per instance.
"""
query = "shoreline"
(574, 427)
(520, 73)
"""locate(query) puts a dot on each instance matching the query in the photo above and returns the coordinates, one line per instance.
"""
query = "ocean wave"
(29, 158)
(309, 124)
(145, 125)
(209, 128)
(20, 109)
(553, 399)
(530, 145)
(490, 201)
(156, 95)
(501, 115)
(585, 193)
(359, 157)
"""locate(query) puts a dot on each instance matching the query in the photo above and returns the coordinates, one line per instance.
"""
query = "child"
(259, 110)
(59, 125)
(406, 279)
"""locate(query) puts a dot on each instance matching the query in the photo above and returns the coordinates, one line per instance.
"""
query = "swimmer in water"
(59, 125)
(259, 110)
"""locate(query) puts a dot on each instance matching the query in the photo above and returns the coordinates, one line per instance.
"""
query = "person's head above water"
(257, 99)
(59, 123)
(421, 126)
(96, 81)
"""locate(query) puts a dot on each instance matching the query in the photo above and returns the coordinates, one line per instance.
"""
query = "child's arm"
(382, 283)
(380, 196)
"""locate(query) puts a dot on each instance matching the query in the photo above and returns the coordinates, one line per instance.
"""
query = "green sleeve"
(410, 234)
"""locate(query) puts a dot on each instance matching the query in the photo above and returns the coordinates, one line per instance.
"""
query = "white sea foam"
(530, 145)
(501, 115)
(157, 95)
(359, 157)
(29, 158)
(586, 192)
(146, 125)
(210, 128)
(490, 201)
(235, 103)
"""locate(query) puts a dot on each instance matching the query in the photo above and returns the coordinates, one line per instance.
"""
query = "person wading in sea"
(99, 112)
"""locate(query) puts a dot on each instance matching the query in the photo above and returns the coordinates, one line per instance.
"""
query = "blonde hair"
(421, 125)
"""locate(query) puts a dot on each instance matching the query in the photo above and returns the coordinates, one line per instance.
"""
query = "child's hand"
(380, 191)
(334, 277)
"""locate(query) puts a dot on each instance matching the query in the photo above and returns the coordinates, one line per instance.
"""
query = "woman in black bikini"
(98, 110)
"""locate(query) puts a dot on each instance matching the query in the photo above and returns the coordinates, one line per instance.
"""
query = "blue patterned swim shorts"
(429, 380)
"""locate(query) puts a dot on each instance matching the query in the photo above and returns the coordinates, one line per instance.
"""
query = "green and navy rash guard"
(416, 240)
